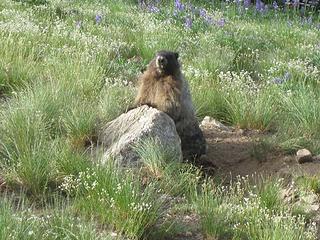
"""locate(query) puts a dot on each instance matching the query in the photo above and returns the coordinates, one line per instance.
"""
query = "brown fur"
(160, 90)
(168, 91)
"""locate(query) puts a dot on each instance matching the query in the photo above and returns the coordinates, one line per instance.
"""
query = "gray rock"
(119, 136)
(303, 156)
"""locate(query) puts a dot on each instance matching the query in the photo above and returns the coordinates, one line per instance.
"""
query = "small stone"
(303, 156)
(188, 234)
(205, 121)
(210, 122)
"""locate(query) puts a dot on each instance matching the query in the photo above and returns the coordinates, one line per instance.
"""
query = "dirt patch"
(237, 152)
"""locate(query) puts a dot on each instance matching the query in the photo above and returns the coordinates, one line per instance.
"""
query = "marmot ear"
(176, 55)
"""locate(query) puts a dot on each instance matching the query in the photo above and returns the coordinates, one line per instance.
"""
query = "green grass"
(63, 76)
(163, 165)
(245, 210)
(116, 199)
(54, 222)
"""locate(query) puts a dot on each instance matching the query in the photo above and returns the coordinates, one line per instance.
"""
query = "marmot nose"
(161, 60)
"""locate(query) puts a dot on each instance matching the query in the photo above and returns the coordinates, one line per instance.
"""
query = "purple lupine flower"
(153, 9)
(295, 3)
(98, 18)
(209, 20)
(275, 5)
(258, 5)
(247, 4)
(264, 8)
(202, 12)
(188, 22)
(278, 80)
(142, 3)
(221, 22)
(179, 5)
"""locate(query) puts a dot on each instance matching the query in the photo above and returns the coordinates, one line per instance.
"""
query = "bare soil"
(234, 152)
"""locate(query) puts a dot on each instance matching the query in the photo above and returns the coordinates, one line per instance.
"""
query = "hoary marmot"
(163, 86)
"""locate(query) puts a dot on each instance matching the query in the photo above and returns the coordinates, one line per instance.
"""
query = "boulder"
(119, 136)
(303, 156)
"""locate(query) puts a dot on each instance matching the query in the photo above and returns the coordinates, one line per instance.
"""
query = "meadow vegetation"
(68, 67)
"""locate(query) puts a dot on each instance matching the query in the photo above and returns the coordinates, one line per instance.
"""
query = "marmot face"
(167, 63)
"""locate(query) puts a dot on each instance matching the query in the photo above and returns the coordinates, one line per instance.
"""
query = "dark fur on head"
(167, 63)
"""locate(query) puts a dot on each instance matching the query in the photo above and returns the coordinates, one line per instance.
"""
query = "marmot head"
(167, 62)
